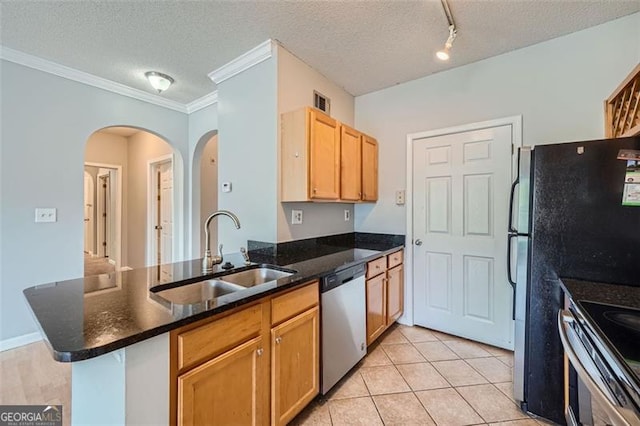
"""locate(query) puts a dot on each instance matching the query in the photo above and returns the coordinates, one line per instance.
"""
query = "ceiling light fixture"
(443, 54)
(158, 80)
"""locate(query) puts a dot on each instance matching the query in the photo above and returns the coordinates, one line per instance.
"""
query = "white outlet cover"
(400, 196)
(347, 215)
(296, 217)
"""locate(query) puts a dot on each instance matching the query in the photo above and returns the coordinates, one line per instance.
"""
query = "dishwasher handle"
(336, 279)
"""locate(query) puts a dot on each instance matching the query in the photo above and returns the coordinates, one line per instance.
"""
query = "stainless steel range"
(602, 343)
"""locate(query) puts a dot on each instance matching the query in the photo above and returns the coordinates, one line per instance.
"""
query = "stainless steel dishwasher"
(344, 328)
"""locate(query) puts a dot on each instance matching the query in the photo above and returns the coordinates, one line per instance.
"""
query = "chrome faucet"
(208, 260)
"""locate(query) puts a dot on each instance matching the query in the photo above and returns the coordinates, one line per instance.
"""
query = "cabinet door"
(295, 365)
(376, 307)
(369, 168)
(229, 389)
(395, 293)
(350, 164)
(324, 157)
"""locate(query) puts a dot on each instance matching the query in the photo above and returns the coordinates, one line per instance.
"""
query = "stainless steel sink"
(198, 292)
(255, 276)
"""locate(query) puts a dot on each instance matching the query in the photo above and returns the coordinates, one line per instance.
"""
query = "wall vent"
(321, 102)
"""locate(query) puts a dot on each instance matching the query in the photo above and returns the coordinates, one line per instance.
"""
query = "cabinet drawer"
(394, 259)
(376, 267)
(291, 304)
(209, 340)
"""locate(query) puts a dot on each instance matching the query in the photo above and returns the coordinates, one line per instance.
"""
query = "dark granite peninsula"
(114, 328)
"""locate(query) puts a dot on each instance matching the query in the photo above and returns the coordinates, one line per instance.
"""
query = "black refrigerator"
(575, 213)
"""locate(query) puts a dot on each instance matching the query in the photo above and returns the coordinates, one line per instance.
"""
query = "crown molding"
(202, 102)
(243, 62)
(63, 71)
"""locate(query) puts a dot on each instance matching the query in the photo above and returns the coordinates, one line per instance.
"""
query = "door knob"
(418, 242)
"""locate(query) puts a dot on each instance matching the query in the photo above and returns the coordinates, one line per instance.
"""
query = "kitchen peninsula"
(116, 328)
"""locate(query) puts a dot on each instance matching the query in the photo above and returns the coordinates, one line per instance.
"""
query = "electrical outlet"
(296, 217)
(46, 214)
(400, 197)
(347, 215)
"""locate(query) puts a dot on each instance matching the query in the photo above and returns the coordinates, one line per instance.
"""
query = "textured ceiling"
(363, 46)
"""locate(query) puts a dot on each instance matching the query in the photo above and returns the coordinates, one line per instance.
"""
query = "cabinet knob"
(377, 266)
(315, 190)
(260, 351)
(278, 340)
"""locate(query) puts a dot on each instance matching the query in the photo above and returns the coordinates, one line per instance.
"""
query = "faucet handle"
(220, 253)
(245, 255)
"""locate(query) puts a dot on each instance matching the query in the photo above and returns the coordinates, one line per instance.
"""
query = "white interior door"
(165, 207)
(88, 214)
(460, 195)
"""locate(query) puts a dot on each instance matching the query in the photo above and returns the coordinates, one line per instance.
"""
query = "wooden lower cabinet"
(376, 307)
(229, 389)
(385, 293)
(395, 293)
(295, 374)
(258, 365)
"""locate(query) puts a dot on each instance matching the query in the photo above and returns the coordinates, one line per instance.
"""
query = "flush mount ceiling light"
(158, 80)
(443, 54)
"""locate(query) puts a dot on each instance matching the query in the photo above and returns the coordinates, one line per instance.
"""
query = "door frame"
(152, 193)
(93, 248)
(516, 138)
(118, 201)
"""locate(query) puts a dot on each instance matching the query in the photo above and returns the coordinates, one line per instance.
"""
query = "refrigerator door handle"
(511, 199)
(509, 276)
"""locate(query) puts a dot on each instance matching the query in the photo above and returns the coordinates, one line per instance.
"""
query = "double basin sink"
(203, 291)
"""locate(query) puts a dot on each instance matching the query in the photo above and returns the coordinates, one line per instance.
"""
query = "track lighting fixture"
(443, 54)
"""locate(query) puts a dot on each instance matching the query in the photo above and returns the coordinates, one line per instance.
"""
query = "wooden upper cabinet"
(350, 164)
(324, 160)
(324, 156)
(369, 168)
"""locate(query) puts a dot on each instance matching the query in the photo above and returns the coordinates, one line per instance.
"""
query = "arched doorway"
(205, 190)
(136, 199)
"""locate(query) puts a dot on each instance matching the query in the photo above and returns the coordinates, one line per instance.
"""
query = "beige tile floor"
(29, 375)
(415, 376)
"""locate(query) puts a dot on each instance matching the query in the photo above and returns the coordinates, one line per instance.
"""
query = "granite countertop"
(88, 317)
(612, 294)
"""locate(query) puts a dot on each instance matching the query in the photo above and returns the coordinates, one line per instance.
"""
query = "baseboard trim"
(16, 342)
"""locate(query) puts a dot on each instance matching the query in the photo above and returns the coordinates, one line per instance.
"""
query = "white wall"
(247, 147)
(296, 83)
(46, 121)
(203, 124)
(142, 148)
(557, 86)
(209, 190)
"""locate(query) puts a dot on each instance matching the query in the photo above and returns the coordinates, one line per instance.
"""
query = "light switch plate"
(47, 214)
(226, 186)
(400, 197)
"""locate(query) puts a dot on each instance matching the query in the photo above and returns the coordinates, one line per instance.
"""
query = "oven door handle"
(589, 373)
